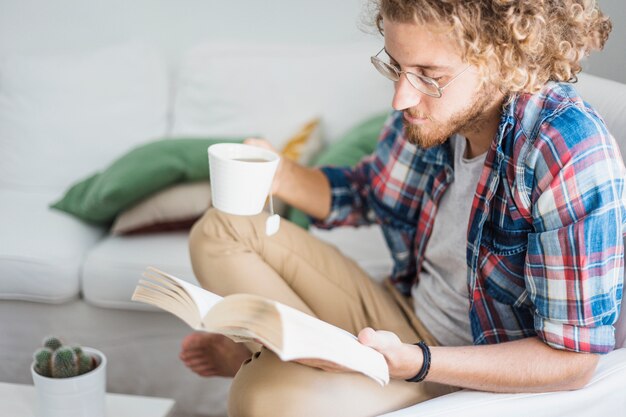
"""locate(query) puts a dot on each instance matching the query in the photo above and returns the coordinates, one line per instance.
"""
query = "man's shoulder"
(557, 105)
(557, 120)
(555, 128)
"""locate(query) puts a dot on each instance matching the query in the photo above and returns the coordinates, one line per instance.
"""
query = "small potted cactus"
(70, 380)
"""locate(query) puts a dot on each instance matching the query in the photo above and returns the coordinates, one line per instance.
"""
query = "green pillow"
(357, 143)
(139, 173)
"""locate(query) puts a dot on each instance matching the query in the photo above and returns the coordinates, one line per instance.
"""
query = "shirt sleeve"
(575, 261)
(351, 187)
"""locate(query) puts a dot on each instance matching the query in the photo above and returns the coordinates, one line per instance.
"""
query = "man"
(500, 194)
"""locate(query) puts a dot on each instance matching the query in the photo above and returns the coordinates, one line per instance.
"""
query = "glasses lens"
(387, 70)
(424, 84)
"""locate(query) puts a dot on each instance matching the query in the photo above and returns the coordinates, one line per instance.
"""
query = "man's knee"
(208, 225)
(217, 225)
(216, 243)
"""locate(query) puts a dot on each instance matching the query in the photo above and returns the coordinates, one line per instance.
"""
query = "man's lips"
(415, 120)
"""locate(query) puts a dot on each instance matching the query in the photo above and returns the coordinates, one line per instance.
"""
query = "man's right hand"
(304, 188)
(265, 144)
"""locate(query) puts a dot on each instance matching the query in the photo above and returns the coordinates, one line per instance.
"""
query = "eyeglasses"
(421, 83)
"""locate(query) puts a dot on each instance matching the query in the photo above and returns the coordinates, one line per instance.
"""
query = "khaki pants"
(231, 254)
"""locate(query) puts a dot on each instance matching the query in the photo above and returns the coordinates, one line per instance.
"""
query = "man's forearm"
(527, 365)
(306, 189)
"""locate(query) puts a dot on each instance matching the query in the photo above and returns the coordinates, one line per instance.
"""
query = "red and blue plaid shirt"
(545, 237)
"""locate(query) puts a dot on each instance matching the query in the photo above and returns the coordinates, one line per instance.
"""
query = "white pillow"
(271, 90)
(174, 208)
(62, 117)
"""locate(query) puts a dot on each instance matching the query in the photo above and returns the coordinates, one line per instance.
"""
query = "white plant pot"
(78, 396)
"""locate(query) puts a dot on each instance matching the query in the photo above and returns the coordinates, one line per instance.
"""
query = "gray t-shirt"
(441, 299)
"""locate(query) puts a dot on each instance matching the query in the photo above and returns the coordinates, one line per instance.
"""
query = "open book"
(286, 331)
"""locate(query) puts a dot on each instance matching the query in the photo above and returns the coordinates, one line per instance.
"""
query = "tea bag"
(272, 224)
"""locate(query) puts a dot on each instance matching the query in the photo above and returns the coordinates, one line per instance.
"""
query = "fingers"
(380, 340)
(261, 143)
(367, 336)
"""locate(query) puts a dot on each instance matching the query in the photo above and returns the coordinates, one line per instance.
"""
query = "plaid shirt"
(545, 236)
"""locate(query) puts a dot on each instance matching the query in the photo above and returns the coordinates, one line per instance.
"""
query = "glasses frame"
(377, 62)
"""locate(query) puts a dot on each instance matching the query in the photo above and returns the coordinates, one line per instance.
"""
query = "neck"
(482, 131)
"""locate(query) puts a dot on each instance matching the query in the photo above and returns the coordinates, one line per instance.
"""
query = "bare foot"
(209, 354)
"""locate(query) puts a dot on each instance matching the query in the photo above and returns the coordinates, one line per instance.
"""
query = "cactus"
(85, 361)
(53, 343)
(42, 361)
(56, 360)
(64, 363)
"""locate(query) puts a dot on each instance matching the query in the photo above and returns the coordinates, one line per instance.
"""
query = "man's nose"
(405, 95)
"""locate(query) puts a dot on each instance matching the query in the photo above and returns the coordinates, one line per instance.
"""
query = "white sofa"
(66, 113)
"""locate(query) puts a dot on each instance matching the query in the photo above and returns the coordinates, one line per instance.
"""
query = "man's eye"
(429, 75)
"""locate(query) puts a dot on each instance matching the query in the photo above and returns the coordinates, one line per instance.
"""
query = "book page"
(155, 297)
(245, 317)
(308, 337)
(203, 299)
(292, 334)
(176, 291)
(288, 332)
(166, 287)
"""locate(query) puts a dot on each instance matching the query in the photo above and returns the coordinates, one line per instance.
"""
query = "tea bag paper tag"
(272, 224)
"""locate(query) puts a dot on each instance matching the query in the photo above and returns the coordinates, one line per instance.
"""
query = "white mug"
(241, 177)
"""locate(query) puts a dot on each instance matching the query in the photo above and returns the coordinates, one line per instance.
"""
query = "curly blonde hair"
(518, 45)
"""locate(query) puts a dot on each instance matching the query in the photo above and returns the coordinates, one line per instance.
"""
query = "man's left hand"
(404, 361)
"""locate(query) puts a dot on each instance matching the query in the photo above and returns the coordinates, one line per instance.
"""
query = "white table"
(19, 400)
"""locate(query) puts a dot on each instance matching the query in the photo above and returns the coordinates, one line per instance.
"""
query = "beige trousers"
(231, 254)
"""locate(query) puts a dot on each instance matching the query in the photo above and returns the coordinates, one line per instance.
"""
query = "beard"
(469, 119)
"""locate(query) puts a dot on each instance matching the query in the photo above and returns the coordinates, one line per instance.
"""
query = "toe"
(192, 340)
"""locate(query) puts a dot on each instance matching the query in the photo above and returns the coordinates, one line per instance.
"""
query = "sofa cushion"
(136, 175)
(41, 250)
(63, 117)
(113, 267)
(356, 144)
(272, 89)
(174, 208)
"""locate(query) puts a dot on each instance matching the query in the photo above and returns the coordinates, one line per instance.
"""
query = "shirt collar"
(507, 121)
(439, 155)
